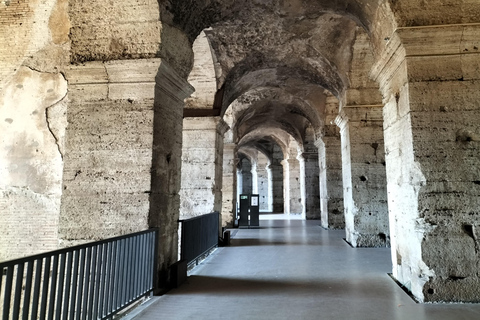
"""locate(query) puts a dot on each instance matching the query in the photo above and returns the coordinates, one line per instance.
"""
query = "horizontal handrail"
(88, 281)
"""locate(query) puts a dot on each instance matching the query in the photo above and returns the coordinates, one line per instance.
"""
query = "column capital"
(342, 119)
(170, 82)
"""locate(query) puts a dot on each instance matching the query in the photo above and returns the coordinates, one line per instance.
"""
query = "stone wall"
(330, 163)
(33, 116)
(277, 180)
(364, 177)
(33, 34)
(202, 166)
(34, 50)
(229, 182)
(107, 183)
(430, 82)
(263, 183)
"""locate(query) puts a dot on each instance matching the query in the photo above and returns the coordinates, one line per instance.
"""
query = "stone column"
(170, 92)
(246, 172)
(286, 186)
(301, 181)
(430, 82)
(312, 188)
(254, 173)
(229, 184)
(331, 185)
(364, 178)
(277, 186)
(107, 184)
(330, 162)
(294, 189)
(270, 188)
(202, 169)
(263, 183)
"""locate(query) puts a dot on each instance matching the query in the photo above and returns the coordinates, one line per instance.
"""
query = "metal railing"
(90, 281)
(199, 235)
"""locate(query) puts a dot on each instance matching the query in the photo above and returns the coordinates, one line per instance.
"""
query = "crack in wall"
(49, 126)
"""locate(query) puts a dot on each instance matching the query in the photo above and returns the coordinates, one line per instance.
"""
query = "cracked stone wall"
(33, 34)
(33, 116)
(34, 50)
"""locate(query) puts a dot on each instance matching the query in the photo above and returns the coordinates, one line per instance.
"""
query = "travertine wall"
(430, 84)
(202, 166)
(107, 184)
(277, 180)
(330, 163)
(33, 34)
(246, 174)
(292, 184)
(229, 181)
(33, 116)
(364, 178)
(202, 77)
(33, 51)
(263, 183)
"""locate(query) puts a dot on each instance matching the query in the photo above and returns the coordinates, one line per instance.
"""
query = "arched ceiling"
(265, 138)
(316, 49)
(192, 16)
(298, 108)
(274, 59)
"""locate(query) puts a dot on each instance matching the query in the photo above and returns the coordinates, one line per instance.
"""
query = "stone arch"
(376, 17)
(308, 102)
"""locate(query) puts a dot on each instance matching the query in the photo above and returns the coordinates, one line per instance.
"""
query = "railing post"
(155, 264)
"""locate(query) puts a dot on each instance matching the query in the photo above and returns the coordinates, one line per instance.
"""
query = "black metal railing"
(199, 235)
(90, 281)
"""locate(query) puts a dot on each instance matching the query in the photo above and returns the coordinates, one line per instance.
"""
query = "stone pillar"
(246, 172)
(364, 178)
(276, 169)
(254, 173)
(330, 163)
(123, 154)
(170, 92)
(263, 184)
(229, 185)
(286, 186)
(301, 162)
(239, 183)
(108, 149)
(312, 188)
(430, 82)
(294, 189)
(270, 188)
(331, 185)
(202, 169)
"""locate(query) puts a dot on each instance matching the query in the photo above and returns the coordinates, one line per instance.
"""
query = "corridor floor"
(294, 269)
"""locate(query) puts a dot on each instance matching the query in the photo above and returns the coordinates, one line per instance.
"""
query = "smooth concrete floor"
(294, 269)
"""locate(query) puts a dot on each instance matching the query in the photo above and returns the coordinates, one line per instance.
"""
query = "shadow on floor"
(247, 242)
(207, 285)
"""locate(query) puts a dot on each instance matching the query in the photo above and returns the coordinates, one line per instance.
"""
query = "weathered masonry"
(364, 114)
